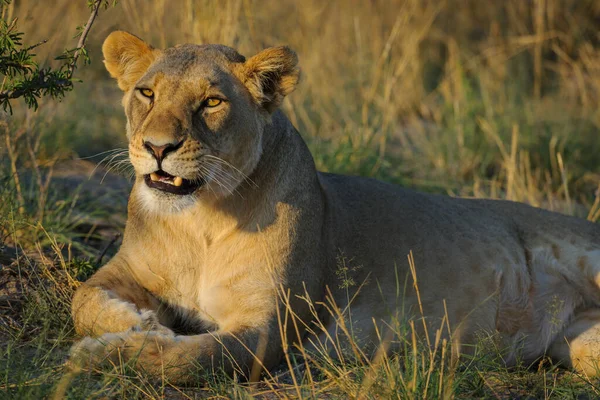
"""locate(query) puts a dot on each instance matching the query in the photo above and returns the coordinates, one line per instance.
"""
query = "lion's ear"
(271, 75)
(127, 58)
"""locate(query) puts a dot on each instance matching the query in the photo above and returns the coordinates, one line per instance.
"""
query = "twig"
(42, 84)
(12, 156)
(103, 253)
(38, 44)
(83, 37)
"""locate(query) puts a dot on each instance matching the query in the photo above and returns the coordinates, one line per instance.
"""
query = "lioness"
(235, 243)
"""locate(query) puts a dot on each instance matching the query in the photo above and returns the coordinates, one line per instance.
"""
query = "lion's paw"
(143, 349)
(150, 322)
(90, 352)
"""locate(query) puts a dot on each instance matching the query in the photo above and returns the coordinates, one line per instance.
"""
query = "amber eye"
(147, 93)
(213, 102)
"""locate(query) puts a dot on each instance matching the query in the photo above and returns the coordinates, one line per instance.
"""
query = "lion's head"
(195, 114)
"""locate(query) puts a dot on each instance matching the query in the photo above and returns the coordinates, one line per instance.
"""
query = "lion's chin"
(157, 201)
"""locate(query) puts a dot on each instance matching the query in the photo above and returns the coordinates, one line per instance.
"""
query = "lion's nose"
(160, 152)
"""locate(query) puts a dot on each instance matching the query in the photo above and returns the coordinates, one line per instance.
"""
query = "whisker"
(103, 152)
(227, 175)
(110, 157)
(229, 165)
(228, 180)
(123, 166)
(206, 172)
(233, 168)
(112, 165)
(222, 180)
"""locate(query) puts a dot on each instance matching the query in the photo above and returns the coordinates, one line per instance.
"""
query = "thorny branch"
(45, 79)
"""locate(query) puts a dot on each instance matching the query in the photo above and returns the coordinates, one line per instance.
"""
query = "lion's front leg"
(112, 301)
(180, 358)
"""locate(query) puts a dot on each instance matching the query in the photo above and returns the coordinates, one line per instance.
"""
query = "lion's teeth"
(154, 177)
(177, 181)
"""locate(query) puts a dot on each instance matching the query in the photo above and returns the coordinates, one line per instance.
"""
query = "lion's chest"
(214, 287)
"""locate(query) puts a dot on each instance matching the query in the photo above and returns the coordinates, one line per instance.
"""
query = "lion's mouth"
(162, 181)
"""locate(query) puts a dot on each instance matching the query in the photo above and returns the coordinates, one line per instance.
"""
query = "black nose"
(160, 152)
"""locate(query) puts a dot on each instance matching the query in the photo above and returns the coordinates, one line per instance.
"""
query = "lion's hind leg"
(578, 346)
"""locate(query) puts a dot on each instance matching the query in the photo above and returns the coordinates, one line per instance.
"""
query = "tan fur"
(127, 58)
(208, 279)
(271, 75)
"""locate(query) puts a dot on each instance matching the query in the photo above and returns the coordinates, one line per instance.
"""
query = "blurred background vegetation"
(469, 97)
(464, 97)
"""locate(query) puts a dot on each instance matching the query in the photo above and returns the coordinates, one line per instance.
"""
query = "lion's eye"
(147, 93)
(213, 102)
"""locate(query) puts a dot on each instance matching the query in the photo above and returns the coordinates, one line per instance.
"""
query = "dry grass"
(465, 97)
(438, 88)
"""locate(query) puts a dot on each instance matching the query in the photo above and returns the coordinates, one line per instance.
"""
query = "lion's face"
(193, 128)
(195, 115)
